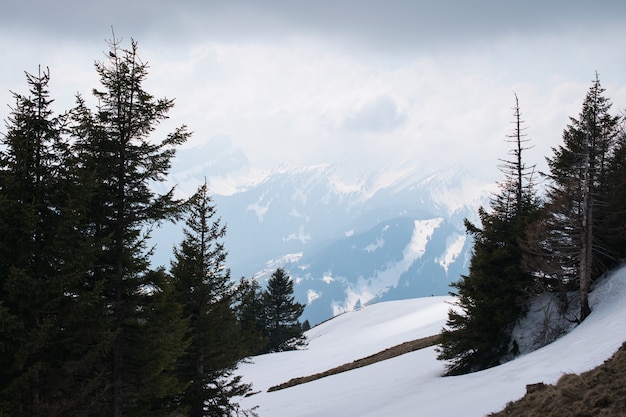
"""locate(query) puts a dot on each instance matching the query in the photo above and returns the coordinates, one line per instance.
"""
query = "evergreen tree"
(251, 316)
(284, 331)
(612, 218)
(203, 287)
(42, 256)
(120, 163)
(492, 297)
(579, 180)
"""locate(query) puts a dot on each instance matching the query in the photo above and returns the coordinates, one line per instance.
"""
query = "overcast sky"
(370, 84)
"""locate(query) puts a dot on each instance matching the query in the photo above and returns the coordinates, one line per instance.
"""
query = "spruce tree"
(492, 297)
(121, 163)
(283, 330)
(204, 289)
(579, 180)
(42, 255)
(251, 316)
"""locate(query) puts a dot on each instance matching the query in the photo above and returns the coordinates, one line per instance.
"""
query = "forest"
(90, 328)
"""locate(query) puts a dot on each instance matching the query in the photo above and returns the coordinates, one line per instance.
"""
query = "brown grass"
(600, 392)
(389, 353)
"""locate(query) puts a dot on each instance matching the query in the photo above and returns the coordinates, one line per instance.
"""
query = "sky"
(366, 85)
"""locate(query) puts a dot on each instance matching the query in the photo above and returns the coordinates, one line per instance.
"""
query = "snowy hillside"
(411, 384)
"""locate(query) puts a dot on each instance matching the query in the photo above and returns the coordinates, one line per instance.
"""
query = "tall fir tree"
(579, 179)
(492, 297)
(42, 256)
(203, 286)
(281, 314)
(121, 163)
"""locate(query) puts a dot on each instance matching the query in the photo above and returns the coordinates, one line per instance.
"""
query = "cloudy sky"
(369, 85)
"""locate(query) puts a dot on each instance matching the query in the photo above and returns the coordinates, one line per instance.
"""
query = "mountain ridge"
(313, 221)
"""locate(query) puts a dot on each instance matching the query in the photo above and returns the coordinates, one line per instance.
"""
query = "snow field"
(411, 384)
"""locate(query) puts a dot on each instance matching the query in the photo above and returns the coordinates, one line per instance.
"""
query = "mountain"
(390, 234)
(411, 384)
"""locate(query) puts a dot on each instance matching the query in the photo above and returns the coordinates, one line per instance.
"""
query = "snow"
(412, 384)
(422, 232)
(366, 288)
(454, 247)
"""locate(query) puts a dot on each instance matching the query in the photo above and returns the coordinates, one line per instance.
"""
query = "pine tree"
(121, 163)
(284, 331)
(204, 289)
(492, 297)
(579, 179)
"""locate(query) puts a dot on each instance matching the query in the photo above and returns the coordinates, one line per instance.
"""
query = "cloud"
(372, 84)
(380, 114)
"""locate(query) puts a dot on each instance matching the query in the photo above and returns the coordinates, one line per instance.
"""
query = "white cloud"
(303, 85)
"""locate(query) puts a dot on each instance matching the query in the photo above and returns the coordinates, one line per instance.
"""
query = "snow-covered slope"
(411, 384)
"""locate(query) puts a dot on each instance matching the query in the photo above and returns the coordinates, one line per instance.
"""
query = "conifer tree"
(251, 316)
(579, 175)
(204, 289)
(42, 256)
(121, 162)
(492, 297)
(284, 331)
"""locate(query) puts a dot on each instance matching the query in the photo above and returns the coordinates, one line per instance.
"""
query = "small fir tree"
(284, 331)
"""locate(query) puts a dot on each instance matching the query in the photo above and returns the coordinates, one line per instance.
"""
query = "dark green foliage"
(251, 316)
(48, 346)
(492, 297)
(581, 209)
(283, 330)
(87, 327)
(119, 163)
(203, 286)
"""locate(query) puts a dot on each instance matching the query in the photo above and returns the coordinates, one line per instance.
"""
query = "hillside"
(600, 392)
(411, 384)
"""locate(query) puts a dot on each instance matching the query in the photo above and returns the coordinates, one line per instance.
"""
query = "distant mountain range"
(393, 234)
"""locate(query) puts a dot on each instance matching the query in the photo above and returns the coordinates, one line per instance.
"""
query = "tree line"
(557, 241)
(87, 326)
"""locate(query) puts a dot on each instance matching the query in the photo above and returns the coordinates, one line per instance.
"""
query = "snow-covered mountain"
(390, 234)
(411, 384)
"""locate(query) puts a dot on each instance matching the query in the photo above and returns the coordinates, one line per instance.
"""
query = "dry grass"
(600, 392)
(389, 353)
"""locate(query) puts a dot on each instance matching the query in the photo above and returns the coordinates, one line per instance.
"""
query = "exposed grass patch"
(600, 392)
(389, 353)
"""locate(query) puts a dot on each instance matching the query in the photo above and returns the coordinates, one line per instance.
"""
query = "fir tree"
(121, 163)
(251, 316)
(204, 289)
(492, 297)
(42, 256)
(579, 180)
(284, 331)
